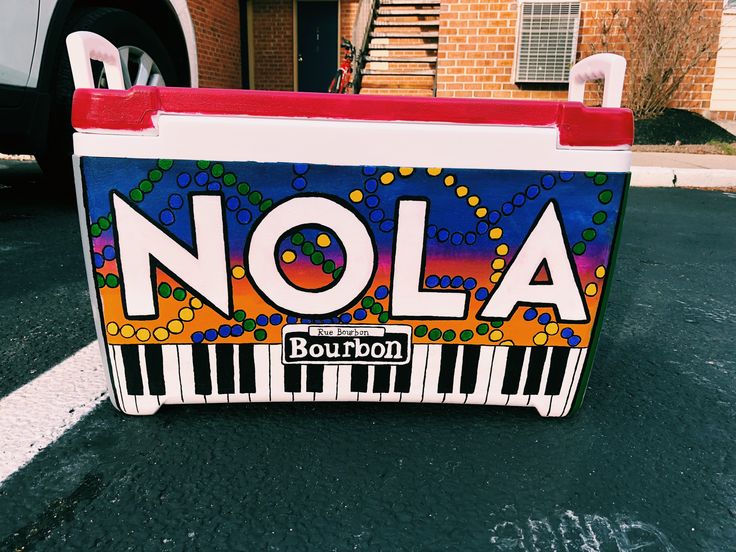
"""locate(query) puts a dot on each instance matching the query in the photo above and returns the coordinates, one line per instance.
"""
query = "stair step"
(397, 59)
(406, 24)
(374, 46)
(409, 2)
(386, 11)
(399, 34)
(391, 73)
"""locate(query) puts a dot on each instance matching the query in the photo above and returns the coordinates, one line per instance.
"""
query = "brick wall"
(217, 32)
(478, 41)
(348, 13)
(273, 44)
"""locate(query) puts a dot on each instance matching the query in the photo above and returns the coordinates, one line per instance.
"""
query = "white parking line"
(37, 414)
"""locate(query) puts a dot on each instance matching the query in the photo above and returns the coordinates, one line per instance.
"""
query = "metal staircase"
(400, 53)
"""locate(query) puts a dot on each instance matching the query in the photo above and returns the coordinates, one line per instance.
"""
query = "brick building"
(449, 48)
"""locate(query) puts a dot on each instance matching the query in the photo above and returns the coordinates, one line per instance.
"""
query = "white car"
(156, 43)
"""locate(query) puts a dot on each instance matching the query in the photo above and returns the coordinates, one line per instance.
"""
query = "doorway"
(316, 44)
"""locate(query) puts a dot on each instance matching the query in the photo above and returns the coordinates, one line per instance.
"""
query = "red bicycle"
(342, 80)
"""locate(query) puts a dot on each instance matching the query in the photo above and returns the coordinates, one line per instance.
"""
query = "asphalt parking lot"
(648, 463)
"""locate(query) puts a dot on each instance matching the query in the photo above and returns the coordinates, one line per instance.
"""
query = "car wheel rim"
(139, 69)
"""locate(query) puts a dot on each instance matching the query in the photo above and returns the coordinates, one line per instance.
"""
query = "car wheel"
(145, 60)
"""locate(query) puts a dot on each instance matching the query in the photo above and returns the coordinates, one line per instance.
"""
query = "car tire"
(121, 28)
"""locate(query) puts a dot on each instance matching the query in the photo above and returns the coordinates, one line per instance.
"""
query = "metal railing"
(361, 37)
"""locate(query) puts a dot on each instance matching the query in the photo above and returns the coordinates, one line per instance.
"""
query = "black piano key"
(469, 374)
(225, 369)
(534, 372)
(359, 379)
(315, 373)
(512, 374)
(448, 357)
(132, 365)
(292, 378)
(381, 378)
(557, 365)
(155, 369)
(201, 362)
(247, 368)
(402, 382)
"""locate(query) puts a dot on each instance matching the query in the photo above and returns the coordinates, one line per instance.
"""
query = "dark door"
(316, 45)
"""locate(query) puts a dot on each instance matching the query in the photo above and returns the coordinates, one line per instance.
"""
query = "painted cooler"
(247, 246)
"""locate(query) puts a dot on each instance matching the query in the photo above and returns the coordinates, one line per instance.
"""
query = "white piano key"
(170, 356)
(237, 396)
(519, 398)
(144, 367)
(118, 372)
(418, 370)
(187, 375)
(369, 395)
(329, 384)
(304, 395)
(485, 360)
(540, 401)
(391, 396)
(278, 394)
(343, 384)
(431, 381)
(498, 369)
(558, 405)
(212, 353)
(456, 397)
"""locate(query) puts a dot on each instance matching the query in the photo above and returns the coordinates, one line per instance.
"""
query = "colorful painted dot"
(434, 171)
(456, 238)
(244, 216)
(356, 196)
(507, 208)
(161, 334)
(532, 191)
(224, 330)
(552, 328)
(211, 334)
(566, 176)
(367, 302)
(370, 185)
(103, 223)
(495, 277)
(127, 331)
(111, 280)
(579, 248)
(297, 238)
(201, 178)
(497, 323)
(376, 215)
(456, 281)
(406, 171)
(175, 326)
(498, 264)
(605, 196)
(566, 333)
(481, 294)
(600, 272)
(443, 234)
(166, 217)
(502, 249)
(600, 217)
(434, 334)
(466, 335)
(495, 335)
(288, 256)
(482, 329)
(155, 175)
(300, 168)
(176, 201)
(197, 337)
(387, 178)
(470, 283)
(143, 334)
(495, 233)
(383, 317)
(179, 294)
(229, 179)
(473, 200)
(112, 328)
(600, 179)
(202, 164)
(186, 314)
(386, 225)
(377, 308)
(372, 201)
(195, 303)
(345, 318)
(136, 194)
(481, 212)
(449, 180)
(494, 217)
(145, 186)
(470, 237)
(214, 186)
(548, 181)
(238, 272)
(183, 180)
(299, 183)
(368, 170)
(445, 281)
(481, 227)
(519, 200)
(217, 170)
(591, 289)
(432, 281)
(99, 260)
(540, 338)
(323, 240)
(308, 248)
(236, 330)
(420, 331)
(249, 324)
(381, 292)
(574, 341)
(461, 191)
(243, 188)
(589, 234)
(530, 314)
(233, 203)
(328, 267)
(262, 320)
(360, 314)
(292, 319)
(255, 197)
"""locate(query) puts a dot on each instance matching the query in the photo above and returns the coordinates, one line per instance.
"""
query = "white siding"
(723, 97)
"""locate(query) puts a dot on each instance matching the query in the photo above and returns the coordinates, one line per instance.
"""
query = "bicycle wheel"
(335, 84)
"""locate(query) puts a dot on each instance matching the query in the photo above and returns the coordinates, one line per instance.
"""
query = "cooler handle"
(84, 46)
(609, 67)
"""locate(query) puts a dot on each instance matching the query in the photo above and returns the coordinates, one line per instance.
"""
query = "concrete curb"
(665, 177)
